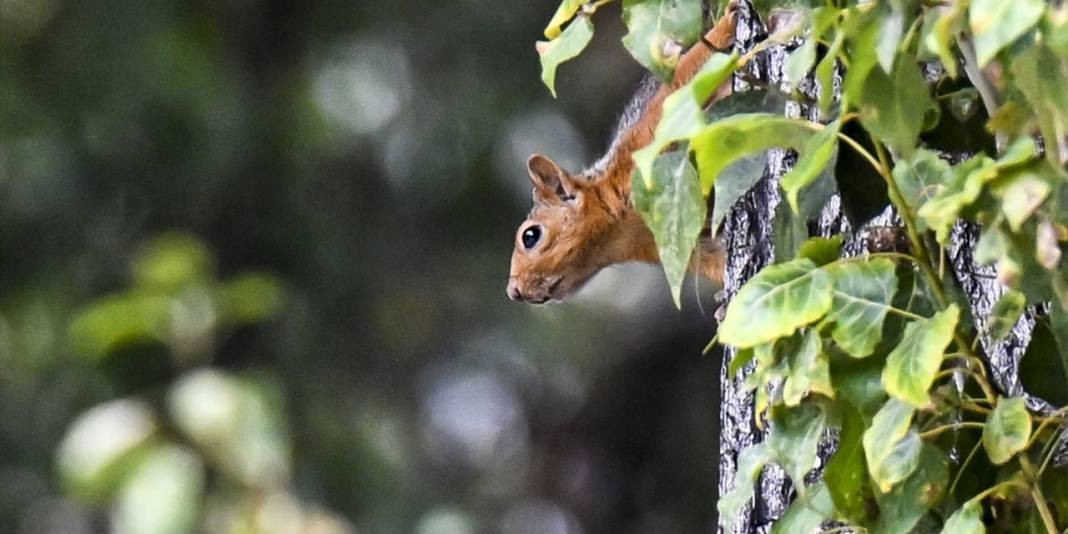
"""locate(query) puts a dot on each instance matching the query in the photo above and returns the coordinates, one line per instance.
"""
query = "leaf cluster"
(882, 349)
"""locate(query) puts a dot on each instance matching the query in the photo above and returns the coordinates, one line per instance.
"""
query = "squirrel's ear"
(551, 183)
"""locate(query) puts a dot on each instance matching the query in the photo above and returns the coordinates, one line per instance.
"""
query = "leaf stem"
(952, 426)
(1048, 454)
(960, 471)
(1036, 494)
(1046, 421)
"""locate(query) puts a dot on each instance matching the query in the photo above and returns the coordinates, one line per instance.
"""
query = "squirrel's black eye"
(531, 236)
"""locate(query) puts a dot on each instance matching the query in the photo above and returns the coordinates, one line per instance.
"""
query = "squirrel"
(582, 223)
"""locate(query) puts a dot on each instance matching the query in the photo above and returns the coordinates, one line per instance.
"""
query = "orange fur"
(587, 225)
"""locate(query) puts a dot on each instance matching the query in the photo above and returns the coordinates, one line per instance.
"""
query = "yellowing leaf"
(912, 365)
(997, 23)
(863, 292)
(564, 13)
(776, 302)
(1007, 429)
(891, 448)
(967, 520)
(568, 45)
(723, 142)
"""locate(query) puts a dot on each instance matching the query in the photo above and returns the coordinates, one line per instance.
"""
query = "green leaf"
(1008, 310)
(722, 142)
(859, 382)
(919, 177)
(163, 494)
(568, 45)
(822, 250)
(799, 62)
(941, 40)
(967, 520)
(674, 209)
(891, 447)
(892, 107)
(794, 439)
(806, 513)
(912, 365)
(565, 12)
(116, 321)
(741, 358)
(775, 303)
(959, 189)
(891, 31)
(789, 232)
(682, 115)
(659, 30)
(809, 371)
(1022, 193)
(825, 72)
(814, 160)
(846, 473)
(750, 463)
(997, 23)
(1007, 429)
(1041, 76)
(863, 294)
(903, 507)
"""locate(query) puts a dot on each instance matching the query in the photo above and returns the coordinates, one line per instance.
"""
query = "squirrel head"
(561, 244)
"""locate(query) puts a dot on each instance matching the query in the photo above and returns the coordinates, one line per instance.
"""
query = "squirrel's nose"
(513, 292)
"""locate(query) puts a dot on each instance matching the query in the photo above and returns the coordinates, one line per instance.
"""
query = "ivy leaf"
(809, 371)
(1007, 429)
(659, 30)
(814, 159)
(750, 463)
(682, 115)
(903, 507)
(863, 293)
(794, 439)
(568, 45)
(565, 12)
(1006, 313)
(892, 107)
(722, 142)
(997, 23)
(775, 303)
(846, 473)
(919, 177)
(912, 365)
(674, 210)
(806, 513)
(967, 520)
(891, 448)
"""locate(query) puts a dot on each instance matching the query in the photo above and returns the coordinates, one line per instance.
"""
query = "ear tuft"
(551, 183)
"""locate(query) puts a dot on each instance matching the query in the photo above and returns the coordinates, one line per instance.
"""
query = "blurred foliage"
(252, 261)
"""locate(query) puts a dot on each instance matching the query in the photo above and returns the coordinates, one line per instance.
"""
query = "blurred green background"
(252, 267)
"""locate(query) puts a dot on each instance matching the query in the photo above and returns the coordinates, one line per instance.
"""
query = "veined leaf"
(683, 115)
(890, 446)
(959, 189)
(659, 30)
(814, 160)
(997, 23)
(674, 209)
(775, 303)
(967, 520)
(912, 365)
(750, 463)
(722, 142)
(863, 294)
(809, 371)
(1007, 429)
(568, 45)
